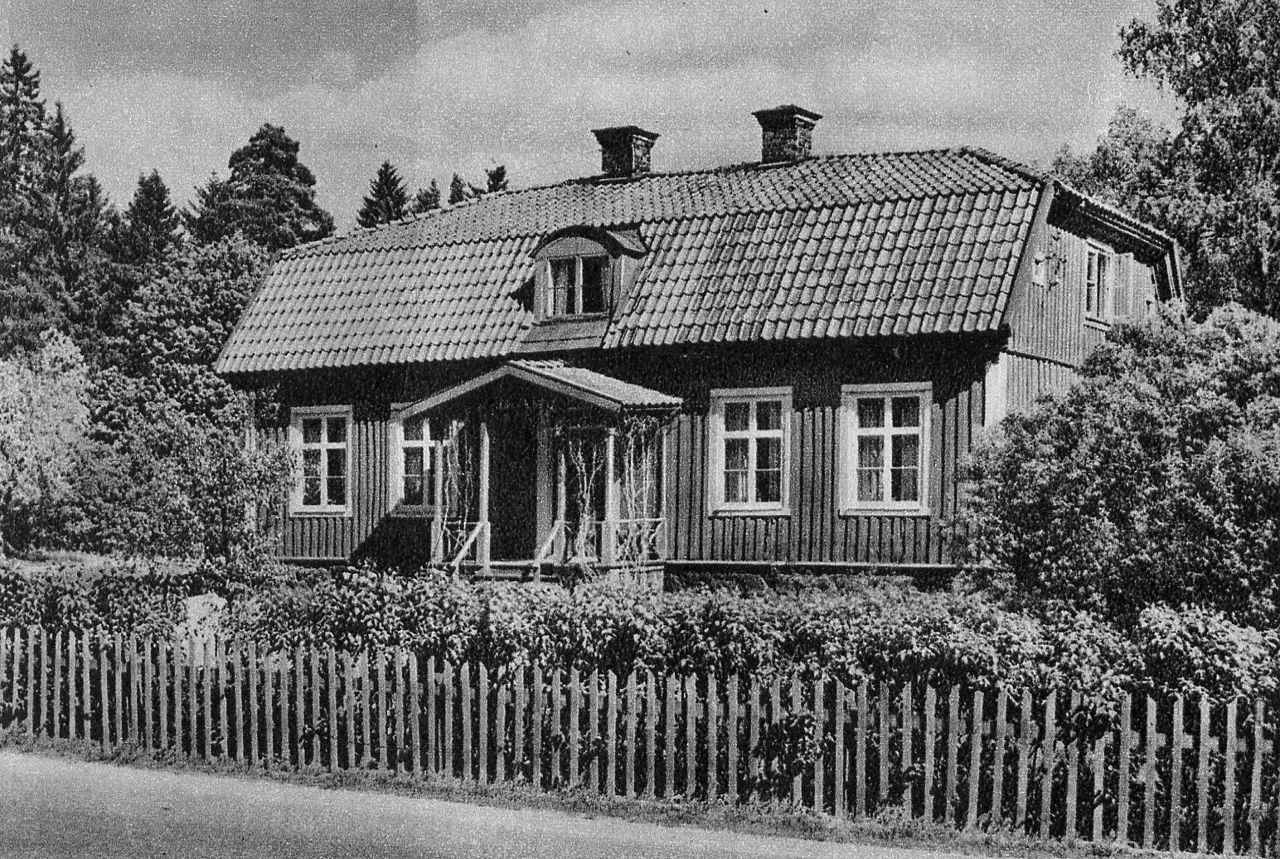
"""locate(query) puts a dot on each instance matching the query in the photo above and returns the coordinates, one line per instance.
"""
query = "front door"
(512, 493)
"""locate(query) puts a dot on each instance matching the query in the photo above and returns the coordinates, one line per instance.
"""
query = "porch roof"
(578, 383)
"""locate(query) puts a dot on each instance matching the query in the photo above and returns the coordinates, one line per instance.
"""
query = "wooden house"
(781, 362)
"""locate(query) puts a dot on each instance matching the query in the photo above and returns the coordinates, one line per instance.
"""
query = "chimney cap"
(786, 110)
(615, 131)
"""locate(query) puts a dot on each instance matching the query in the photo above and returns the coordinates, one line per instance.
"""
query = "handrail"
(549, 543)
(456, 564)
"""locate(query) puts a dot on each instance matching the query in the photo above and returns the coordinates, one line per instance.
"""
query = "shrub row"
(876, 632)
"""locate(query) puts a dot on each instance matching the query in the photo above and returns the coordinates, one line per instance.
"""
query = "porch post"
(437, 503)
(482, 504)
(609, 543)
(562, 504)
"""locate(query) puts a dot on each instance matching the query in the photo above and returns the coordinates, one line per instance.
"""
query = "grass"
(890, 827)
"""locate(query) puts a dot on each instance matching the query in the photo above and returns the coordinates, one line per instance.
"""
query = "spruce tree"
(151, 225)
(269, 197)
(388, 198)
(427, 198)
(496, 179)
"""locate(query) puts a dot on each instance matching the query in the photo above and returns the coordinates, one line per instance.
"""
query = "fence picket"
(433, 727)
(885, 736)
(55, 726)
(711, 743)
(500, 735)
(517, 724)
(1122, 769)
(162, 653)
(953, 753)
(593, 730)
(555, 732)
(482, 726)
(1071, 818)
(32, 721)
(1175, 777)
(610, 757)
(840, 767)
(1099, 771)
(465, 715)
(732, 704)
(314, 666)
(1202, 779)
(669, 736)
(629, 756)
(998, 758)
(1230, 750)
(42, 721)
(1023, 783)
(206, 689)
(819, 733)
(650, 733)
(192, 741)
(396, 711)
(366, 726)
(268, 708)
(535, 726)
(146, 719)
(73, 700)
(975, 759)
(690, 736)
(254, 759)
(236, 678)
(104, 709)
(907, 763)
(860, 755)
(1149, 776)
(331, 688)
(1048, 749)
(1254, 842)
(349, 700)
(930, 734)
(754, 757)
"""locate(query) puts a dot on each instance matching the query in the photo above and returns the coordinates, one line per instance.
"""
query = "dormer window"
(577, 285)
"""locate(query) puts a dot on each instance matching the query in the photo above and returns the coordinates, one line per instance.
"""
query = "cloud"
(521, 84)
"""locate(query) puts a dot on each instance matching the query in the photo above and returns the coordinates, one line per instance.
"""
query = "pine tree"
(496, 179)
(427, 198)
(151, 225)
(269, 197)
(22, 125)
(457, 190)
(388, 198)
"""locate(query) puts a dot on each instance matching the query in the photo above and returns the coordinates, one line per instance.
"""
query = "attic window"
(577, 285)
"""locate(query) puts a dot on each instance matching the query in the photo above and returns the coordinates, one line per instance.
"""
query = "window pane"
(870, 412)
(336, 463)
(769, 487)
(906, 411)
(735, 486)
(337, 430)
(561, 283)
(769, 453)
(311, 491)
(593, 271)
(735, 454)
(413, 461)
(869, 484)
(311, 431)
(906, 451)
(337, 490)
(769, 415)
(413, 429)
(737, 416)
(413, 489)
(311, 463)
(870, 452)
(906, 484)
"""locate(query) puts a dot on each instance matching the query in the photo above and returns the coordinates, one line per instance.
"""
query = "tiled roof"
(835, 246)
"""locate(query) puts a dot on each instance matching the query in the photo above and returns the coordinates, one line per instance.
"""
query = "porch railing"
(624, 542)
(461, 539)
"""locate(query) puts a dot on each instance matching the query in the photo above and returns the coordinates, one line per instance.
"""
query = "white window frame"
(719, 398)
(395, 480)
(574, 297)
(1102, 314)
(847, 452)
(325, 413)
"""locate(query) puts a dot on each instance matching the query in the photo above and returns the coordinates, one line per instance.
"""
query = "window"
(321, 437)
(885, 452)
(413, 471)
(750, 431)
(1097, 284)
(577, 285)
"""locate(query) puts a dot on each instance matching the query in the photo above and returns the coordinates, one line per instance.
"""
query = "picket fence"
(968, 758)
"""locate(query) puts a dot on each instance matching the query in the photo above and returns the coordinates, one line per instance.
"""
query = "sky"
(462, 85)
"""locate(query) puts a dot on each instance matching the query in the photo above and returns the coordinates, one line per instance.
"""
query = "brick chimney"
(786, 133)
(624, 149)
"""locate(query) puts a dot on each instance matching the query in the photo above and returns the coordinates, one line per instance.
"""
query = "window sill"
(911, 512)
(316, 512)
(757, 512)
(572, 317)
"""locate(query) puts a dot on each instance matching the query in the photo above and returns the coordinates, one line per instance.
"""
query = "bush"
(1154, 480)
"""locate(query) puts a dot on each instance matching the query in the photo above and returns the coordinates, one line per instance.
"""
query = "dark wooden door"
(512, 490)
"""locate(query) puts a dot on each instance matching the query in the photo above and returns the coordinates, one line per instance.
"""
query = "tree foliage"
(43, 418)
(388, 198)
(269, 196)
(1154, 480)
(427, 198)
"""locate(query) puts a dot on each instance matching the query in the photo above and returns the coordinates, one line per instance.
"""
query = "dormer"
(583, 273)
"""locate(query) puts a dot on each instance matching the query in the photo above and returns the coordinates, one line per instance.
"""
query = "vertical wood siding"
(1030, 378)
(816, 531)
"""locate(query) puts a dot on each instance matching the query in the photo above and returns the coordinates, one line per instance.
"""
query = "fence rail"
(1173, 774)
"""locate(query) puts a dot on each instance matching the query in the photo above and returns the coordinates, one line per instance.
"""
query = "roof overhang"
(618, 241)
(576, 383)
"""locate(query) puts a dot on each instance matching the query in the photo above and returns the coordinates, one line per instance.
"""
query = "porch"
(543, 470)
